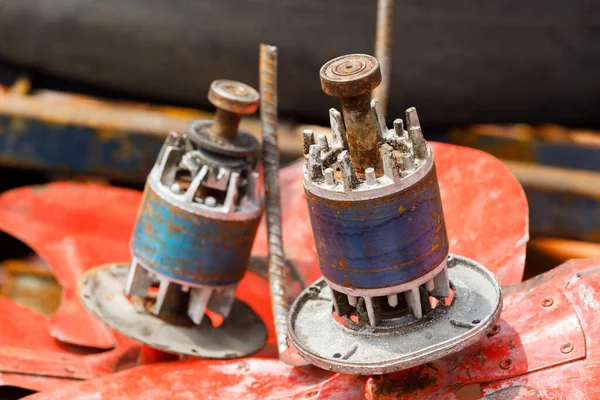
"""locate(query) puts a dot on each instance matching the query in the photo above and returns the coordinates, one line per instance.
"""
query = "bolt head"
(233, 96)
(350, 75)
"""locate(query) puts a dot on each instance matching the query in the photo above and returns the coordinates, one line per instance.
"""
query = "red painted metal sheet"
(246, 379)
(542, 363)
(539, 330)
(67, 225)
(35, 384)
(487, 220)
(485, 209)
(74, 227)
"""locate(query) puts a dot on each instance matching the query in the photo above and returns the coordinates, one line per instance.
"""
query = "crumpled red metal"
(537, 352)
(77, 226)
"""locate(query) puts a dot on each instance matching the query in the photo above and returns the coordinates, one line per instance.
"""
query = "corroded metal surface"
(352, 78)
(348, 348)
(545, 144)
(102, 292)
(222, 135)
(398, 299)
(376, 240)
(190, 247)
(232, 99)
(199, 214)
(89, 224)
(383, 50)
(192, 240)
(378, 224)
(544, 352)
(71, 242)
(279, 279)
(498, 243)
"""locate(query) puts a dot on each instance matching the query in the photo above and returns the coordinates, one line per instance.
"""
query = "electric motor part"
(379, 234)
(195, 229)
(201, 209)
(377, 218)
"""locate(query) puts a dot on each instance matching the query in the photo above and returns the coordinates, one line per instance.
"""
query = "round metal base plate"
(101, 291)
(444, 330)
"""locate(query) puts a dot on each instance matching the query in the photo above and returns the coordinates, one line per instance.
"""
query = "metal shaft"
(278, 272)
(361, 133)
(232, 99)
(352, 78)
(268, 116)
(383, 49)
(225, 124)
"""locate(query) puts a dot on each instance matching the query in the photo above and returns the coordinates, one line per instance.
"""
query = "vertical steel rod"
(277, 268)
(383, 50)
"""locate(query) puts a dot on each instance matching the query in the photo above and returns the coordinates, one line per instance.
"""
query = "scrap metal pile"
(402, 231)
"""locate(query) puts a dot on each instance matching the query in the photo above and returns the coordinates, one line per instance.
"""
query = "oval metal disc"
(242, 145)
(101, 289)
(444, 330)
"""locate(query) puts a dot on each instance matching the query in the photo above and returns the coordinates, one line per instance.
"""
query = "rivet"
(547, 302)
(566, 348)
(507, 363)
(494, 331)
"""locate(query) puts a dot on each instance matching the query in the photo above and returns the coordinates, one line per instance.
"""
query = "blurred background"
(89, 89)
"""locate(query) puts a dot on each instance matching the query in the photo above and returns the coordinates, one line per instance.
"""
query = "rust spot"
(243, 366)
(175, 228)
(469, 392)
(406, 382)
(494, 331)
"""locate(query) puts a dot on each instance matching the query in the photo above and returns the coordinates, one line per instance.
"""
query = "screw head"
(547, 302)
(566, 348)
(350, 75)
(507, 363)
(233, 96)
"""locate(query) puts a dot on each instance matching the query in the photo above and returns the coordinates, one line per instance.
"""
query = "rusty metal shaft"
(232, 99)
(352, 78)
(383, 50)
(225, 124)
(361, 133)
(278, 271)
(268, 115)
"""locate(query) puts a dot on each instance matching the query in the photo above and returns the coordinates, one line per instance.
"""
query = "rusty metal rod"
(352, 78)
(277, 269)
(361, 133)
(268, 117)
(383, 49)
